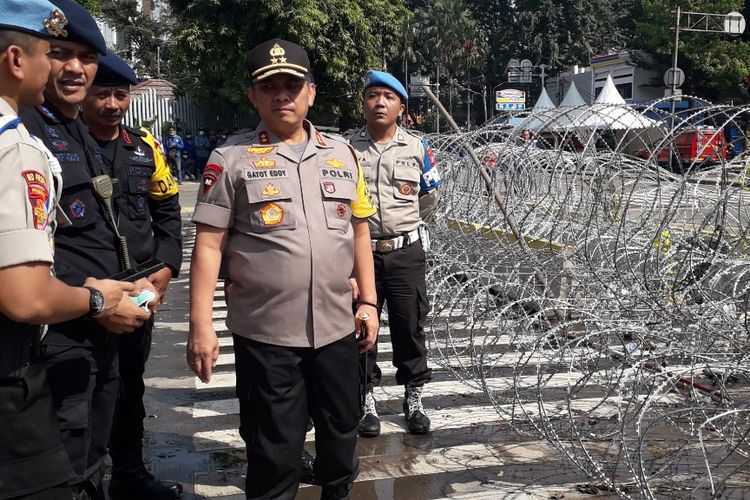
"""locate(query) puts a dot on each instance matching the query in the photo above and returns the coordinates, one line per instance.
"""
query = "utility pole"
(732, 24)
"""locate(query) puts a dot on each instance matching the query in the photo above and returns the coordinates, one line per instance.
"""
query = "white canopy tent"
(610, 111)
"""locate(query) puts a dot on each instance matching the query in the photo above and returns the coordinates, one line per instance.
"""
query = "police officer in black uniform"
(81, 355)
(149, 217)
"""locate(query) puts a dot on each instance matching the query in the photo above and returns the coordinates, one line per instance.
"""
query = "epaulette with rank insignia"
(334, 137)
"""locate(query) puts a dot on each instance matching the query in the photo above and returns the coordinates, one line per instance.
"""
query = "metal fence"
(157, 111)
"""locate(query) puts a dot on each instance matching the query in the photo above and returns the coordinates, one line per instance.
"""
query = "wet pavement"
(192, 437)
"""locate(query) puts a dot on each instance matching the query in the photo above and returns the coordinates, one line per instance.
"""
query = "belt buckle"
(384, 246)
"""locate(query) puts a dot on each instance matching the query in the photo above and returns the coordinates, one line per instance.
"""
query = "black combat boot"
(131, 480)
(416, 420)
(369, 426)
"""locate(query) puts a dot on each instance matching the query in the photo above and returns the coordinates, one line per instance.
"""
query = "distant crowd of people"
(187, 154)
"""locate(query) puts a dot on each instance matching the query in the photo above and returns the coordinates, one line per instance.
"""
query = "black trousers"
(278, 387)
(84, 383)
(126, 442)
(400, 283)
(32, 458)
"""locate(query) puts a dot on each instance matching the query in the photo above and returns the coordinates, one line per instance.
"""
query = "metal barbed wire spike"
(631, 354)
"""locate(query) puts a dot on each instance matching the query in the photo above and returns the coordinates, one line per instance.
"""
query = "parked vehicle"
(702, 145)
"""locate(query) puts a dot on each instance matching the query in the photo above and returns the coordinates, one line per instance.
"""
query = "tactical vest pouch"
(17, 346)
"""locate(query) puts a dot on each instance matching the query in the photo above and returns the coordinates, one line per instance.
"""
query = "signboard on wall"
(510, 100)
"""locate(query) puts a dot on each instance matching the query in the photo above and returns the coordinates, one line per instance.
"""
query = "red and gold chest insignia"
(264, 138)
(329, 187)
(319, 139)
(406, 189)
(272, 214)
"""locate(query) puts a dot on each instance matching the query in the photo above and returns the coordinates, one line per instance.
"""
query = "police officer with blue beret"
(403, 179)
(81, 355)
(33, 461)
(148, 215)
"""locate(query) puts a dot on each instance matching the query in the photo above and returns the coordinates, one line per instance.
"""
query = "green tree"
(149, 46)
(714, 64)
(343, 37)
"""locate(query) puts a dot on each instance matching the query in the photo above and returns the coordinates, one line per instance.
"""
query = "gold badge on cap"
(277, 54)
(272, 214)
(56, 23)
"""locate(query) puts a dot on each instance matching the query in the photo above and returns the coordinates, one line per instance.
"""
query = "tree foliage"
(344, 38)
(714, 64)
(150, 49)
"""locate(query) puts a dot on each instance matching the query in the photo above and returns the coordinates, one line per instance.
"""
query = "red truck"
(703, 145)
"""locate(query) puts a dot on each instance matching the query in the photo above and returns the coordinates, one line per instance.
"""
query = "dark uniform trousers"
(127, 433)
(84, 381)
(278, 387)
(33, 462)
(400, 283)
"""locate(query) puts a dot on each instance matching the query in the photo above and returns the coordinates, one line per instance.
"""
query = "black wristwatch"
(96, 302)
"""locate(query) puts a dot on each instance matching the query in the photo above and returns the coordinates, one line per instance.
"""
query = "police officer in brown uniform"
(401, 175)
(287, 203)
(33, 461)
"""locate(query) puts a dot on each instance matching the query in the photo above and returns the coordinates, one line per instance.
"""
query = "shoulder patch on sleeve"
(210, 175)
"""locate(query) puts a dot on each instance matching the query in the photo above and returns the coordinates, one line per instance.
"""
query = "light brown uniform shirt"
(290, 248)
(27, 191)
(393, 177)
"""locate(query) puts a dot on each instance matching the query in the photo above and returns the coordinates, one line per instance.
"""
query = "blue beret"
(382, 79)
(114, 71)
(82, 27)
(35, 17)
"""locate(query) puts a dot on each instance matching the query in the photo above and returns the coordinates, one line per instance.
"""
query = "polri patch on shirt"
(329, 187)
(60, 145)
(143, 185)
(337, 173)
(77, 209)
(140, 171)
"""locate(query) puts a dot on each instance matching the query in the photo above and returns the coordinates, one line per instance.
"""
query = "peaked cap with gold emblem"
(278, 56)
(34, 17)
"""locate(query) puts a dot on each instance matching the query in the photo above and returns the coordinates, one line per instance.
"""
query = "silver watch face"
(96, 303)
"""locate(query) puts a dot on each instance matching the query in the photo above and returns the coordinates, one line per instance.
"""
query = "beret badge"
(56, 23)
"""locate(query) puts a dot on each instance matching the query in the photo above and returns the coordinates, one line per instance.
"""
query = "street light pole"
(673, 85)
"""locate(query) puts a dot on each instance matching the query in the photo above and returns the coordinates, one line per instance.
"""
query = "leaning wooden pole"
(499, 201)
